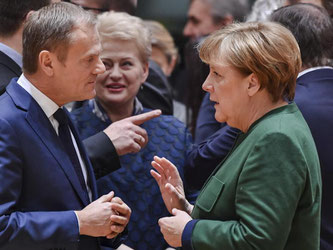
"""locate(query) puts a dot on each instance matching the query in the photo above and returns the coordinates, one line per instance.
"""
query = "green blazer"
(266, 194)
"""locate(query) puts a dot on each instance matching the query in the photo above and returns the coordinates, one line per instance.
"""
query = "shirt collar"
(48, 106)
(98, 110)
(312, 69)
(13, 54)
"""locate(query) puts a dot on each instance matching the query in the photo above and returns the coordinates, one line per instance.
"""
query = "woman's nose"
(207, 86)
(115, 72)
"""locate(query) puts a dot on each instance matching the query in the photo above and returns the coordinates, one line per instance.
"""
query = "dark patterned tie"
(66, 139)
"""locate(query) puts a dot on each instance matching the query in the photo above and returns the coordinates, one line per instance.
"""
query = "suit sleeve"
(102, 154)
(17, 226)
(267, 194)
(203, 158)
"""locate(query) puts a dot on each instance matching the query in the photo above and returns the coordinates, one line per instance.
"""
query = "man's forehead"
(199, 8)
(86, 36)
(89, 3)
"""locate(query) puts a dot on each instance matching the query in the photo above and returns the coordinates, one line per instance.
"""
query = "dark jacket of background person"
(156, 92)
(314, 94)
(206, 124)
(202, 158)
(169, 138)
(313, 29)
(8, 70)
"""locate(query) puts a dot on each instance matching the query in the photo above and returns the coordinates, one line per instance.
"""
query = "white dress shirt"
(50, 107)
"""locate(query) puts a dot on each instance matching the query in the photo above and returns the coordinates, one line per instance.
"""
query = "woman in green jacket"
(266, 193)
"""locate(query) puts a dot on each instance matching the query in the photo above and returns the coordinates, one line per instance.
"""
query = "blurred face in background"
(199, 20)
(125, 72)
(162, 60)
(95, 6)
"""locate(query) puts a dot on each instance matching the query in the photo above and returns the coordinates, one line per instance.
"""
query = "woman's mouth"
(115, 87)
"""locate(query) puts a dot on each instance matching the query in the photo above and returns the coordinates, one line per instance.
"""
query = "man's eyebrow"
(193, 19)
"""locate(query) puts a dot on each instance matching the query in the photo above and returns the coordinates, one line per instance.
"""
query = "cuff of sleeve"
(78, 221)
(187, 235)
(102, 154)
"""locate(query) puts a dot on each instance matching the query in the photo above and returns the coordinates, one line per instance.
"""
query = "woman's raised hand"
(170, 184)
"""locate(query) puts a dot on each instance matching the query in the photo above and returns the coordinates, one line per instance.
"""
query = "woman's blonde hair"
(120, 25)
(161, 39)
(266, 49)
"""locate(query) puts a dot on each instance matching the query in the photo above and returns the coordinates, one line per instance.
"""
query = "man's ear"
(45, 60)
(253, 86)
(28, 15)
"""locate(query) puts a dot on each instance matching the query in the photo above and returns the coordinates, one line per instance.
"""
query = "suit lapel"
(41, 125)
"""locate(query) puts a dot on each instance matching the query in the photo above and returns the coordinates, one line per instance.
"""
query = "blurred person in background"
(126, 48)
(313, 29)
(328, 5)
(204, 17)
(13, 15)
(165, 54)
(100, 6)
(267, 193)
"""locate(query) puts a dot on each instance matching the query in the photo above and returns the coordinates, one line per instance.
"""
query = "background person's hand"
(127, 136)
(170, 184)
(172, 227)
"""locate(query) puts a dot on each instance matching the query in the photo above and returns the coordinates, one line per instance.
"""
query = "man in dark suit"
(313, 29)
(12, 16)
(46, 178)
(104, 148)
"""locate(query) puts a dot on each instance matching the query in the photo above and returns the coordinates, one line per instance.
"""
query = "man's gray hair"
(262, 9)
(51, 28)
(238, 9)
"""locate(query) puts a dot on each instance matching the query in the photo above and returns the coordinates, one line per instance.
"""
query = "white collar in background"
(312, 69)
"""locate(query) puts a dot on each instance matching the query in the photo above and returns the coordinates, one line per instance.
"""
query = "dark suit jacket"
(156, 92)
(314, 97)
(8, 70)
(39, 187)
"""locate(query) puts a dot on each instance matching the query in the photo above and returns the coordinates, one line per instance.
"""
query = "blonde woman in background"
(165, 54)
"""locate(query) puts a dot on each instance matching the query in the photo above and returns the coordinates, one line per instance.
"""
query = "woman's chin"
(220, 118)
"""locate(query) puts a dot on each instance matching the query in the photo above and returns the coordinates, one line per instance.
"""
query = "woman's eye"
(216, 74)
(127, 63)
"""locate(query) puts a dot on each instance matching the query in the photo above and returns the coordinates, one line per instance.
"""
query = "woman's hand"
(170, 184)
(172, 227)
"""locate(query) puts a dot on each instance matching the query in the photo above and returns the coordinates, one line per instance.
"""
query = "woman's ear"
(45, 62)
(171, 66)
(253, 86)
(145, 72)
